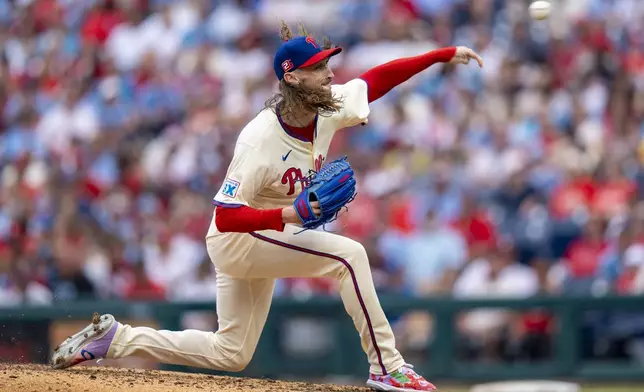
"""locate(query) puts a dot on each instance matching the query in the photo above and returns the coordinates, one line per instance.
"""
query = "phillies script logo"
(294, 175)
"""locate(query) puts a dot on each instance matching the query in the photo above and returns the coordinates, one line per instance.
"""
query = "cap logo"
(287, 65)
(311, 41)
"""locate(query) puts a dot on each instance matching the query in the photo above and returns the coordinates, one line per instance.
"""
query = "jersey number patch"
(230, 187)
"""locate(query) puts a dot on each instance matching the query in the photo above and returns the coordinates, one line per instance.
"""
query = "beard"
(303, 97)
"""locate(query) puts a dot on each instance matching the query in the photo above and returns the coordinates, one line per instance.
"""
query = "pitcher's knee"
(230, 355)
(237, 360)
(356, 254)
(238, 363)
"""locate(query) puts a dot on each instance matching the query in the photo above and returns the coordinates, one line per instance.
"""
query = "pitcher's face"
(317, 77)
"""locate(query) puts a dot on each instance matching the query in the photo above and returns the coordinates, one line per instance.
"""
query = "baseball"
(540, 9)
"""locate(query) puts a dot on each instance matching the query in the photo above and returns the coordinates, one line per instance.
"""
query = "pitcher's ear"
(291, 79)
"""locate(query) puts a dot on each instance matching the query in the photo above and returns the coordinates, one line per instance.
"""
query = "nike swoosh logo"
(286, 156)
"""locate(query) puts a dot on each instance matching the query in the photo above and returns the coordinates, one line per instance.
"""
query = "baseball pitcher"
(277, 188)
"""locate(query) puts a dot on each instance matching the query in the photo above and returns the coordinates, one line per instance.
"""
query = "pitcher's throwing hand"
(464, 55)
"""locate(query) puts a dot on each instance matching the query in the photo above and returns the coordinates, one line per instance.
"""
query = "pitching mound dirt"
(38, 378)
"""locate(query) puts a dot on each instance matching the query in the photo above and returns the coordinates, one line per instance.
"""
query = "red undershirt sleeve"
(381, 79)
(245, 219)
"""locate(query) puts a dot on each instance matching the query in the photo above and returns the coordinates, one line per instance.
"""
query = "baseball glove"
(332, 187)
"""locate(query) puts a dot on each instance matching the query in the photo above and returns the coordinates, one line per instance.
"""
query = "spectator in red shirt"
(100, 22)
(581, 259)
(615, 192)
(476, 227)
(569, 206)
(572, 196)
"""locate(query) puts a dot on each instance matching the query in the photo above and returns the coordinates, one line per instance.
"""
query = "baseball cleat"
(404, 379)
(92, 342)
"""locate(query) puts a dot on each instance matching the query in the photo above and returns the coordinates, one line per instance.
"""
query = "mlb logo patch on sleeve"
(230, 187)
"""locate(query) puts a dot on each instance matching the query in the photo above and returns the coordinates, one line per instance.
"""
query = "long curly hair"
(291, 98)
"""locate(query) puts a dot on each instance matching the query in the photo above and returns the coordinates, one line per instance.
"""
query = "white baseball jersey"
(269, 162)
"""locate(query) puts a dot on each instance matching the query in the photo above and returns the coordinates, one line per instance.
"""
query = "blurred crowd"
(523, 178)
